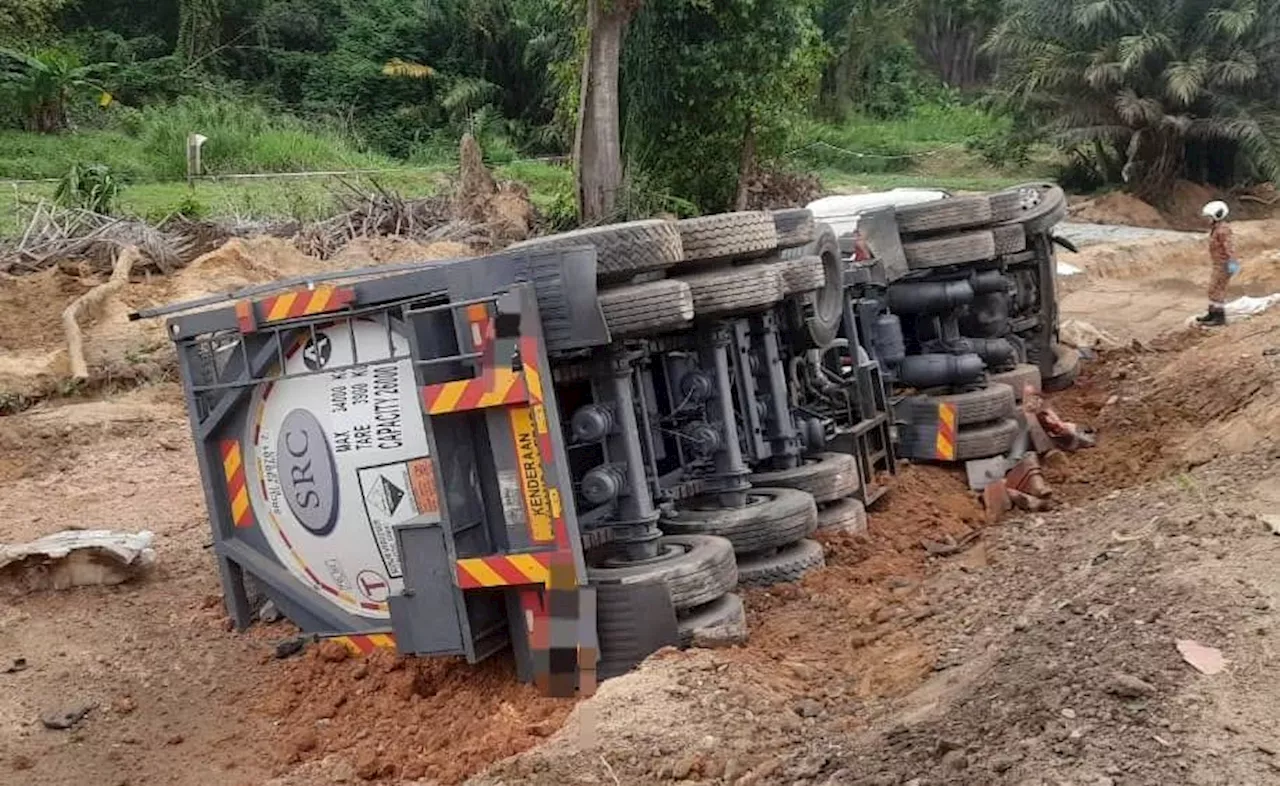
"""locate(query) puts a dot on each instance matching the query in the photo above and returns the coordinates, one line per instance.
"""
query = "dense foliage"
(711, 91)
(1147, 91)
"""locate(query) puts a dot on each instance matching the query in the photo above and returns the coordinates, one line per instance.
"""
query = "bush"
(92, 187)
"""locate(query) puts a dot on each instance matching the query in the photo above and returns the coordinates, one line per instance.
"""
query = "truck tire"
(950, 250)
(622, 250)
(727, 236)
(972, 442)
(696, 568)
(1005, 205)
(1022, 375)
(826, 477)
(632, 622)
(786, 565)
(733, 290)
(994, 402)
(944, 215)
(1066, 368)
(806, 274)
(646, 309)
(1010, 239)
(993, 439)
(1037, 206)
(772, 518)
(795, 227)
(721, 623)
(828, 302)
(847, 516)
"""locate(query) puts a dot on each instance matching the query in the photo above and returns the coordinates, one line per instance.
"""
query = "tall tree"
(711, 89)
(949, 35)
(199, 28)
(1140, 88)
(597, 145)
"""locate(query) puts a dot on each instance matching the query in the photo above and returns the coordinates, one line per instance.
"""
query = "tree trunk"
(597, 148)
(746, 166)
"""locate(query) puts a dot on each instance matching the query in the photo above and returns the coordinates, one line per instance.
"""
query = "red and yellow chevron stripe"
(507, 570)
(237, 489)
(365, 644)
(945, 449)
(496, 388)
(290, 305)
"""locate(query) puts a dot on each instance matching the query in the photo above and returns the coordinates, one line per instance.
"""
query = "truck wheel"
(828, 302)
(825, 476)
(950, 250)
(805, 274)
(795, 227)
(696, 568)
(733, 290)
(846, 516)
(1036, 206)
(622, 250)
(720, 623)
(646, 309)
(943, 215)
(784, 566)
(1010, 239)
(727, 236)
(994, 402)
(772, 518)
(1066, 368)
(1022, 375)
(632, 622)
(972, 442)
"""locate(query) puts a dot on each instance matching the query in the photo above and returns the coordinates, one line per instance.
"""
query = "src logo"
(317, 353)
(308, 473)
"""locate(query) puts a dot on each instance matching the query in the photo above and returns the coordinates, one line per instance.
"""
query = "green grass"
(25, 156)
(932, 147)
(150, 145)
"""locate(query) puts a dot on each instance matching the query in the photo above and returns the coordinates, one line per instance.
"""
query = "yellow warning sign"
(533, 481)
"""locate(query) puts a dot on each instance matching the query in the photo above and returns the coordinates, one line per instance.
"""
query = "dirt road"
(1044, 653)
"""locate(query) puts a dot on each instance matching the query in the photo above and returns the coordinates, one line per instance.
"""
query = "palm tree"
(43, 84)
(1145, 88)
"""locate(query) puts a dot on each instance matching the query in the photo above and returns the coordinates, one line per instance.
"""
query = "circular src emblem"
(308, 475)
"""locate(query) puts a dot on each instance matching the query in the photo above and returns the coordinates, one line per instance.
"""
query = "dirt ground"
(1147, 287)
(1044, 653)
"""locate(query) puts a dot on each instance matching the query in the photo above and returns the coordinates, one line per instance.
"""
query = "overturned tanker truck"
(578, 448)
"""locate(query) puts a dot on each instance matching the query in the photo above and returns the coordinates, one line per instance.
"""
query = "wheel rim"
(670, 551)
(754, 499)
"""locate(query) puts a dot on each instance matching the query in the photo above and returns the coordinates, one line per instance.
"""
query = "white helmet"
(1216, 210)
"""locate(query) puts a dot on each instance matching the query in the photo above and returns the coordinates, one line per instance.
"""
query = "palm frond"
(1135, 49)
(406, 69)
(468, 94)
(1238, 71)
(1233, 23)
(1104, 14)
(1186, 80)
(1136, 110)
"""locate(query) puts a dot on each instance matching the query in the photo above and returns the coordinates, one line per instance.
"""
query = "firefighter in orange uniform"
(1222, 257)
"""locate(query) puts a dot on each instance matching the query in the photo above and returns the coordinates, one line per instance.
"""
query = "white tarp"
(75, 558)
(1245, 307)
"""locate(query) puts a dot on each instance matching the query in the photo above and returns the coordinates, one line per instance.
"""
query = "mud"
(408, 719)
